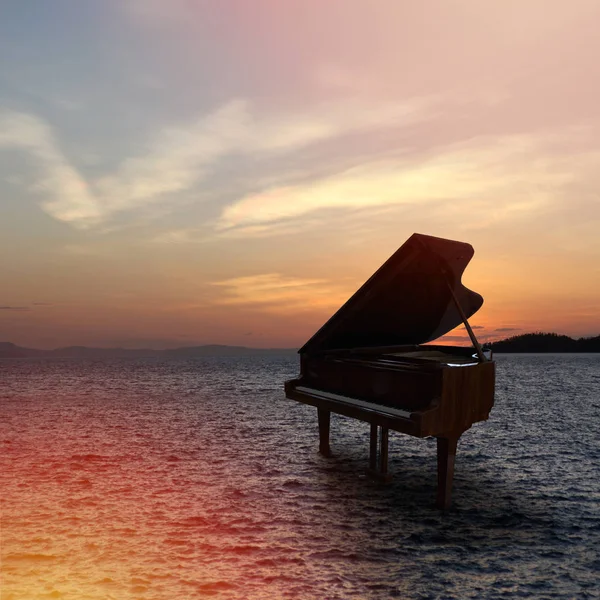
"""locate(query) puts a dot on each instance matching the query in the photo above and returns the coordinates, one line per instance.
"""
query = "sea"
(196, 478)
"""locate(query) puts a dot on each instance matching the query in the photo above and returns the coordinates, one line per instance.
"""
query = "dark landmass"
(9, 350)
(546, 342)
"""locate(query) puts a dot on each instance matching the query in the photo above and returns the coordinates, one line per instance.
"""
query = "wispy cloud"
(175, 160)
(281, 294)
(508, 329)
(493, 178)
(17, 308)
(455, 338)
(180, 157)
(485, 168)
(68, 197)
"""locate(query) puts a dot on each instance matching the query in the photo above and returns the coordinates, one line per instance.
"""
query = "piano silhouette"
(371, 360)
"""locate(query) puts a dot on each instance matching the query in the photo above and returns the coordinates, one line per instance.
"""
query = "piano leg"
(324, 419)
(378, 461)
(383, 452)
(446, 454)
(373, 448)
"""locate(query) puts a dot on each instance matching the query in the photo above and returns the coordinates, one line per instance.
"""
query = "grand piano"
(372, 360)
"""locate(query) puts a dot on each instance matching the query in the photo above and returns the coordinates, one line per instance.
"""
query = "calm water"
(189, 479)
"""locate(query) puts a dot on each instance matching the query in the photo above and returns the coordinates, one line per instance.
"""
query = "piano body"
(371, 360)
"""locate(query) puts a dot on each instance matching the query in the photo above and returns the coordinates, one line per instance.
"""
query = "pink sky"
(183, 173)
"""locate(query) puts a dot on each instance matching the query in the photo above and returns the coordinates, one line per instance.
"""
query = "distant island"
(528, 342)
(546, 342)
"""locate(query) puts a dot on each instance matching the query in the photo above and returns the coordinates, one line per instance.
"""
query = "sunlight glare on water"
(191, 478)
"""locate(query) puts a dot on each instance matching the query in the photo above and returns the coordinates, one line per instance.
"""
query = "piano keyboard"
(379, 408)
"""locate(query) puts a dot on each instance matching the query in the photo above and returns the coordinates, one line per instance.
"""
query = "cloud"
(277, 293)
(176, 160)
(68, 195)
(455, 338)
(508, 329)
(483, 176)
(180, 157)
(17, 308)
(482, 169)
(173, 162)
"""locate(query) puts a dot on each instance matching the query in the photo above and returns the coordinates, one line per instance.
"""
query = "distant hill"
(546, 342)
(10, 350)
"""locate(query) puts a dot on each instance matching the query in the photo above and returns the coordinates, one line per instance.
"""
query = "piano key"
(380, 408)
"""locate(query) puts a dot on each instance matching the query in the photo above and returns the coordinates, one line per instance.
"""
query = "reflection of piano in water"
(367, 361)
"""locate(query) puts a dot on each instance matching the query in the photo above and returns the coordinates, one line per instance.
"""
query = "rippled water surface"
(197, 478)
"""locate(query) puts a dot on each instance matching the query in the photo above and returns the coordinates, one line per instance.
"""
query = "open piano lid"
(408, 300)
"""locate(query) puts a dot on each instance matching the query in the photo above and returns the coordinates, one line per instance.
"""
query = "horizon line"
(237, 346)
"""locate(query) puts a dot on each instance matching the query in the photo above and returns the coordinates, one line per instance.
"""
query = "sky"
(192, 172)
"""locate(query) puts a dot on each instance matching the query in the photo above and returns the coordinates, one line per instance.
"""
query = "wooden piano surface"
(371, 360)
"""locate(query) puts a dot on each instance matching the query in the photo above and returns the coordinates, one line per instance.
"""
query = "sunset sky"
(188, 172)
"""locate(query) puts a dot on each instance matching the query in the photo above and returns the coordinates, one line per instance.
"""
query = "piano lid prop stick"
(476, 344)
